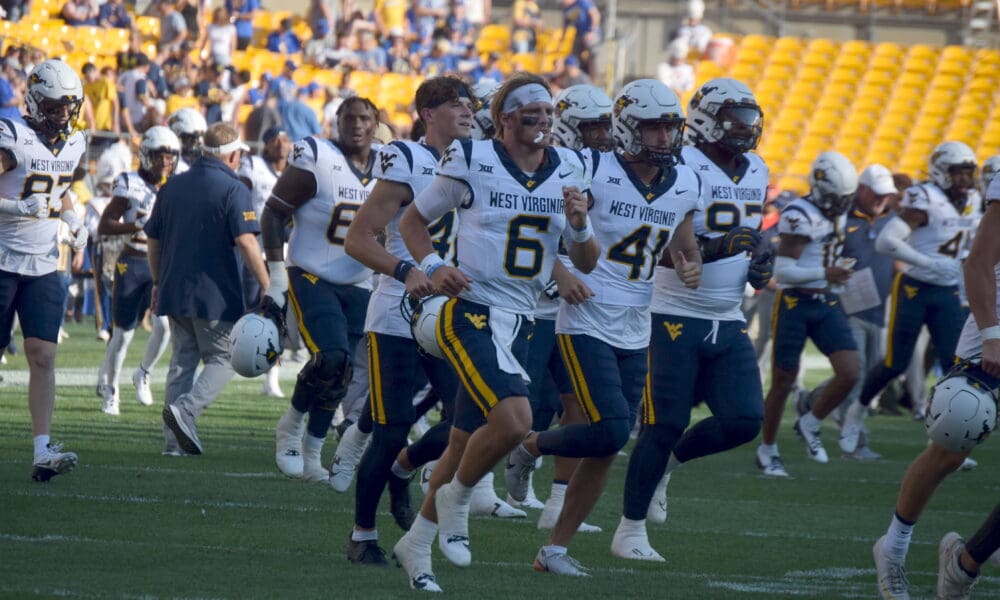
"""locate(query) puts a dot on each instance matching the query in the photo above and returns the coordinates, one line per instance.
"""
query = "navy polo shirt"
(197, 216)
(859, 244)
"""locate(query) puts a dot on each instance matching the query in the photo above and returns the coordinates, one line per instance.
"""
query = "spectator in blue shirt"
(369, 56)
(200, 220)
(11, 91)
(113, 14)
(244, 11)
(284, 40)
(583, 16)
(439, 61)
(298, 118)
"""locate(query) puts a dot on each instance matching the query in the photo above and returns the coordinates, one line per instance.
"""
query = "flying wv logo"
(790, 302)
(386, 159)
(674, 330)
(910, 291)
(478, 321)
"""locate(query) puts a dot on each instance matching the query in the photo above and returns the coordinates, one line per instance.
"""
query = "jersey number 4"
(631, 250)
(952, 246)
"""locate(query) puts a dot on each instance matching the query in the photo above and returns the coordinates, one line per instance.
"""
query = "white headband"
(525, 95)
(229, 148)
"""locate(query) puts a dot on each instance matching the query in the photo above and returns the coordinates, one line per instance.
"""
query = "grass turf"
(130, 523)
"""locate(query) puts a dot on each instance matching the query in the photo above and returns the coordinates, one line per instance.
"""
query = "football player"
(699, 349)
(809, 271)
(322, 188)
(260, 173)
(189, 125)
(978, 351)
(582, 122)
(644, 205)
(37, 160)
(132, 199)
(515, 196)
(927, 236)
(403, 170)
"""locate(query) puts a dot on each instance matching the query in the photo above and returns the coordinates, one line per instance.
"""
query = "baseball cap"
(879, 179)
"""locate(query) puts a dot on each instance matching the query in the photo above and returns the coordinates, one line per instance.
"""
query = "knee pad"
(609, 436)
(740, 430)
(326, 376)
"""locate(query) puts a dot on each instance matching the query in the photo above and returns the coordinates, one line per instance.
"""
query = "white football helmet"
(423, 324)
(946, 156)
(833, 181)
(157, 139)
(190, 126)
(482, 120)
(991, 166)
(647, 101)
(254, 345)
(962, 411)
(725, 112)
(52, 86)
(576, 106)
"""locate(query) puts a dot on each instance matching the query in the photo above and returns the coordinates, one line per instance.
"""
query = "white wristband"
(278, 276)
(990, 333)
(580, 236)
(430, 261)
(10, 207)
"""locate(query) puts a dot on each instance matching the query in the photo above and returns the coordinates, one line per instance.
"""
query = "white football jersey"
(633, 223)
(970, 343)
(944, 236)
(182, 166)
(826, 237)
(317, 241)
(731, 200)
(412, 164)
(28, 246)
(262, 179)
(140, 196)
(510, 221)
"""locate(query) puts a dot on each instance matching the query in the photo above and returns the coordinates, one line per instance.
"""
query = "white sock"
(157, 343)
(400, 471)
(463, 492)
(41, 445)
(632, 525)
(423, 530)
(898, 539)
(315, 444)
(364, 536)
(292, 415)
(117, 349)
(558, 492)
(553, 550)
(769, 449)
(809, 421)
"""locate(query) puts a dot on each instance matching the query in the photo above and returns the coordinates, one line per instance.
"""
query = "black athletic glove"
(736, 240)
(269, 309)
(761, 269)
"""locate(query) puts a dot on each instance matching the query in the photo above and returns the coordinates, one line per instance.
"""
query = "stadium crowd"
(552, 269)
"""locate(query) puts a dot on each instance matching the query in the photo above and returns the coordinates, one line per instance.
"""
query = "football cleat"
(400, 504)
(657, 511)
(559, 563)
(366, 552)
(288, 446)
(416, 561)
(181, 422)
(453, 526)
(771, 464)
(485, 501)
(814, 446)
(345, 460)
(892, 583)
(968, 464)
(520, 464)
(864, 453)
(953, 582)
(53, 462)
(109, 400)
(531, 500)
(632, 542)
(140, 379)
(853, 428)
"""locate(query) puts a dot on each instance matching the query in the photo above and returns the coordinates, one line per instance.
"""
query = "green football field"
(130, 523)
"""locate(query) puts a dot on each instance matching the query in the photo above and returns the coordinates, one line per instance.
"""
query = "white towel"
(505, 326)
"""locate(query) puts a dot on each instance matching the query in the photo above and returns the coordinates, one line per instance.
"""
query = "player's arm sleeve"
(892, 241)
(241, 217)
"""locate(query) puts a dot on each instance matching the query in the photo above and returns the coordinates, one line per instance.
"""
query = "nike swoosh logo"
(753, 170)
(565, 175)
(681, 191)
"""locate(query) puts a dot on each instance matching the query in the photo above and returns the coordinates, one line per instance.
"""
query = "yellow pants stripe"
(375, 380)
(649, 411)
(893, 310)
(576, 376)
(310, 344)
(459, 358)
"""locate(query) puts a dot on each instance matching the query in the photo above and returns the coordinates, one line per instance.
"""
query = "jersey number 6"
(518, 246)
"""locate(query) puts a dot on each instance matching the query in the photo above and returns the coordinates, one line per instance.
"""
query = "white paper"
(860, 292)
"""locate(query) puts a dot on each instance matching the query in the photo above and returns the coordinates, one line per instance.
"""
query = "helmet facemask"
(668, 154)
(739, 127)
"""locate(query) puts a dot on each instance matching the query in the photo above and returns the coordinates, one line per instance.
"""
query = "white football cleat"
(52, 462)
(968, 464)
(109, 400)
(140, 379)
(453, 526)
(485, 501)
(657, 511)
(853, 427)
(630, 541)
(520, 464)
(814, 445)
(560, 564)
(771, 464)
(892, 583)
(288, 445)
(416, 561)
(953, 582)
(347, 456)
